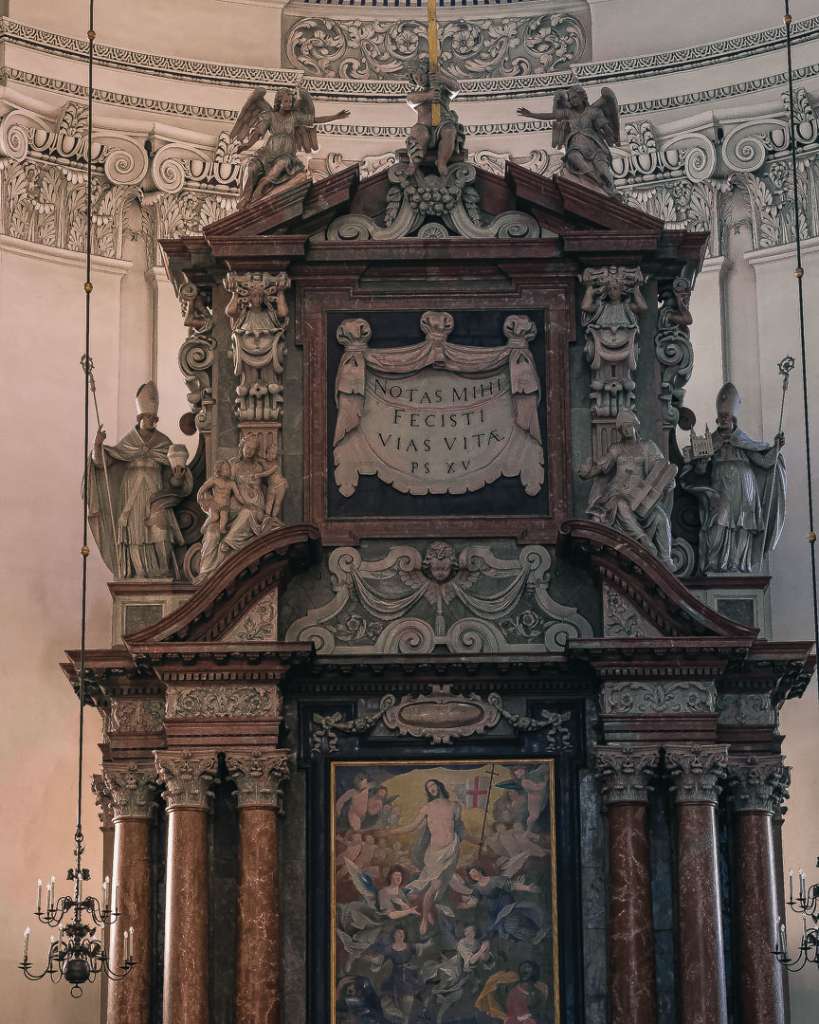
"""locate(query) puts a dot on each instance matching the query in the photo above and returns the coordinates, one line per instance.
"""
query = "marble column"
(624, 774)
(758, 784)
(696, 771)
(258, 776)
(131, 789)
(187, 777)
(102, 798)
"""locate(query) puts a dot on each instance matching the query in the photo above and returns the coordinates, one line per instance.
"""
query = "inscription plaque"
(436, 417)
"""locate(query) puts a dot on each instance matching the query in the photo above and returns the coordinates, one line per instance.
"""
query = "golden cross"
(432, 41)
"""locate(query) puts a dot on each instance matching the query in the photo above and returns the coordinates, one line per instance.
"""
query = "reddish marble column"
(258, 776)
(105, 809)
(702, 992)
(187, 778)
(758, 786)
(132, 797)
(624, 774)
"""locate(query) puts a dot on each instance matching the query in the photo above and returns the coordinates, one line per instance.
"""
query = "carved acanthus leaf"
(625, 772)
(696, 771)
(186, 776)
(132, 790)
(259, 776)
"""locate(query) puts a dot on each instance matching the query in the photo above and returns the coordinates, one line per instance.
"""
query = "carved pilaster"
(611, 304)
(259, 316)
(758, 783)
(102, 798)
(259, 776)
(132, 789)
(697, 771)
(673, 348)
(197, 353)
(187, 777)
(625, 773)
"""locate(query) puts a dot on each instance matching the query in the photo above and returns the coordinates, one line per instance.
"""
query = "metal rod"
(799, 273)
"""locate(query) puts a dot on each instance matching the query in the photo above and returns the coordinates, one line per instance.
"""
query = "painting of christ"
(444, 892)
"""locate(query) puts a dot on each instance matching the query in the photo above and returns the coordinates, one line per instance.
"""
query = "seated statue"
(741, 489)
(588, 131)
(633, 489)
(445, 139)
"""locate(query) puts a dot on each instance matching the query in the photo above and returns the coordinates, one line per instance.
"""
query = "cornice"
(244, 76)
(230, 590)
(655, 592)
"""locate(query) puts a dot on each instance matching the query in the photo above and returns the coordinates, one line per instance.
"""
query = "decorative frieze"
(259, 776)
(696, 771)
(388, 49)
(187, 777)
(758, 783)
(135, 716)
(746, 709)
(661, 698)
(473, 601)
(224, 702)
(132, 790)
(625, 772)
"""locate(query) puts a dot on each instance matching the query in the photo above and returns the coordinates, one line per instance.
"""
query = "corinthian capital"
(697, 771)
(759, 783)
(625, 772)
(187, 777)
(259, 776)
(132, 790)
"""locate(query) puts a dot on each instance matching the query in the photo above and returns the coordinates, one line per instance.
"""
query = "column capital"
(624, 772)
(132, 790)
(259, 775)
(187, 777)
(102, 798)
(697, 770)
(758, 782)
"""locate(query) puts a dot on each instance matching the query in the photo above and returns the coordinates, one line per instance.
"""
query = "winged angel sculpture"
(587, 130)
(288, 127)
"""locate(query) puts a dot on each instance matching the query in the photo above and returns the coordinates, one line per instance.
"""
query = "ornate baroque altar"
(434, 715)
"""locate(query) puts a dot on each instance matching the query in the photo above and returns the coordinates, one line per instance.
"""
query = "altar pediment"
(557, 214)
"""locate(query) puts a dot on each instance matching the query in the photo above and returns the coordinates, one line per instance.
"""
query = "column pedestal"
(132, 798)
(702, 992)
(758, 785)
(258, 777)
(187, 778)
(624, 774)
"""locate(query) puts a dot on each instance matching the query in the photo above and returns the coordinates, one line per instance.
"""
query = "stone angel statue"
(288, 127)
(588, 131)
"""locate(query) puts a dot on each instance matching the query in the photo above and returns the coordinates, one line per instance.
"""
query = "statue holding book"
(633, 489)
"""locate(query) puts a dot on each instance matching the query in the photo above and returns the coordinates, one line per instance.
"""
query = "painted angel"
(288, 127)
(587, 130)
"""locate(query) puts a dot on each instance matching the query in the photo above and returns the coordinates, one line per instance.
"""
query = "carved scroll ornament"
(409, 602)
(436, 417)
(440, 715)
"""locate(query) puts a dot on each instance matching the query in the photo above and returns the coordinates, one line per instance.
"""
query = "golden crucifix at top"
(437, 133)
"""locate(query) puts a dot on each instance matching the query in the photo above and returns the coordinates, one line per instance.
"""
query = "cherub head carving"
(440, 561)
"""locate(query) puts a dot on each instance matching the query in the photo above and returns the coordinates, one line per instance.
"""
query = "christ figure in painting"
(436, 852)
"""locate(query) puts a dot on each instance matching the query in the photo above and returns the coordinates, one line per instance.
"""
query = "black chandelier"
(77, 954)
(806, 903)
